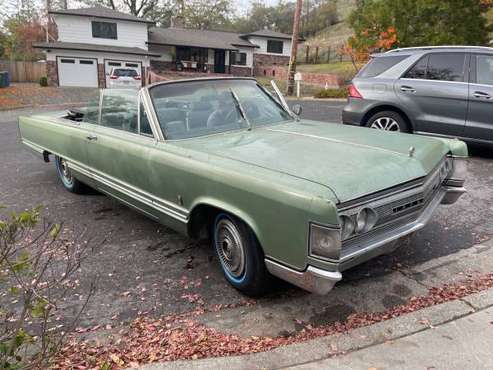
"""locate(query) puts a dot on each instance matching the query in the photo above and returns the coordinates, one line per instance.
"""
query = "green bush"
(332, 93)
(43, 81)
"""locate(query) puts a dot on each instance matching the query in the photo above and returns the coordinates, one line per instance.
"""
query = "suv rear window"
(119, 72)
(379, 65)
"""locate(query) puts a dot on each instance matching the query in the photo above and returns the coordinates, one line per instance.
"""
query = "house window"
(274, 46)
(104, 30)
(238, 59)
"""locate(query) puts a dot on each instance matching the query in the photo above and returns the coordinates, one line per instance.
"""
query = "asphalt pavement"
(141, 266)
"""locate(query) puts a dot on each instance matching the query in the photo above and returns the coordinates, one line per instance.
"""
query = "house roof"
(92, 47)
(101, 12)
(269, 33)
(197, 38)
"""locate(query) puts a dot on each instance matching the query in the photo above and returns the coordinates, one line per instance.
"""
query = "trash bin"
(4, 79)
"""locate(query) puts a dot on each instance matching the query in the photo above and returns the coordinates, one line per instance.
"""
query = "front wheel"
(240, 255)
(68, 180)
(388, 121)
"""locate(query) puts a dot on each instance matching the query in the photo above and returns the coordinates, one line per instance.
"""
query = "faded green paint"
(276, 178)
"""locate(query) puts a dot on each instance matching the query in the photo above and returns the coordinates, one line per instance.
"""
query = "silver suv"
(443, 91)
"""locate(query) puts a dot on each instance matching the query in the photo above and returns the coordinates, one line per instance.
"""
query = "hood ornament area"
(412, 150)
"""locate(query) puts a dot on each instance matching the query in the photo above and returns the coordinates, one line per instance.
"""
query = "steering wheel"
(233, 116)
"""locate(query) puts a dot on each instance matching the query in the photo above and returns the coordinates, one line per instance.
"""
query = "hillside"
(338, 33)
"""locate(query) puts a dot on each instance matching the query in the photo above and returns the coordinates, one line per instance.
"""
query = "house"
(92, 41)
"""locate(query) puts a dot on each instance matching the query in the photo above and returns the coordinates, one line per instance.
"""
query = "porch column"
(229, 59)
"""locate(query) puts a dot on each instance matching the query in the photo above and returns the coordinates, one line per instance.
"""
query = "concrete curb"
(325, 347)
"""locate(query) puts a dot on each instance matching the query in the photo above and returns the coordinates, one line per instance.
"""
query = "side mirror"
(297, 109)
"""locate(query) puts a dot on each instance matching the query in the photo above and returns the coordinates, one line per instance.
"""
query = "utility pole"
(294, 47)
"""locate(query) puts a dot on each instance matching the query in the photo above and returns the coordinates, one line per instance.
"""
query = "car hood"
(351, 161)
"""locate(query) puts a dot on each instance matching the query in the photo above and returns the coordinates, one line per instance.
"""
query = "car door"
(76, 141)
(435, 93)
(120, 148)
(479, 125)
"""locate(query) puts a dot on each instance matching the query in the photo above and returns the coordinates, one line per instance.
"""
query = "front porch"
(199, 60)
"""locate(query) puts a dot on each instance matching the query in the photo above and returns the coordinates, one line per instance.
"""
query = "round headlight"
(347, 226)
(365, 220)
(361, 221)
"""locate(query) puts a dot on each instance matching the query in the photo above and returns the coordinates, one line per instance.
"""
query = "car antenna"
(240, 108)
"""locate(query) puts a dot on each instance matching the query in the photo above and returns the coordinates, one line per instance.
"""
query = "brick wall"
(281, 73)
(241, 71)
(52, 73)
(101, 76)
(269, 59)
(322, 79)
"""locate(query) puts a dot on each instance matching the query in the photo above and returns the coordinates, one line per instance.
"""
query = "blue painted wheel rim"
(230, 248)
(64, 172)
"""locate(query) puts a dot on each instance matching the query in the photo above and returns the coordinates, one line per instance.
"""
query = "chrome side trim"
(161, 205)
(313, 279)
(32, 146)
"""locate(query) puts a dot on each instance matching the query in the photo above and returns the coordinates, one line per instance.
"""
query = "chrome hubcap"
(230, 247)
(66, 173)
(385, 123)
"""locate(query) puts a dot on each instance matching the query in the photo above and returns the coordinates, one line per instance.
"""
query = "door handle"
(481, 95)
(92, 137)
(405, 88)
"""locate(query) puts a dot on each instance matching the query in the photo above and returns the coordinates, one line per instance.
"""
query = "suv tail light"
(137, 77)
(353, 92)
(113, 77)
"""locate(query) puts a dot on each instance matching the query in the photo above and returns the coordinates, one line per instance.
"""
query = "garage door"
(110, 64)
(77, 72)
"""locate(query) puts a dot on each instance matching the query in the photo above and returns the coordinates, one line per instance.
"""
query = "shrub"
(43, 81)
(332, 93)
(36, 268)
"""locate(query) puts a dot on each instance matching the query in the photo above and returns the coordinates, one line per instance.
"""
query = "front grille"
(399, 207)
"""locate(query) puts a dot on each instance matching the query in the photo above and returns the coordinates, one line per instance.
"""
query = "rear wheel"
(65, 175)
(388, 121)
(240, 255)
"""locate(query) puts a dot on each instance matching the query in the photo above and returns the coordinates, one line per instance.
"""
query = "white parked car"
(124, 77)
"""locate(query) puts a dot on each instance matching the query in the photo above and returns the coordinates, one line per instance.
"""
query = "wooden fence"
(23, 71)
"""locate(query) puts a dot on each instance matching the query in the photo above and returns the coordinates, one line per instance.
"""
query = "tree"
(21, 29)
(319, 15)
(277, 18)
(207, 14)
(139, 8)
(419, 22)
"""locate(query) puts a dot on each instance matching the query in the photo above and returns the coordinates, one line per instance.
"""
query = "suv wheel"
(388, 121)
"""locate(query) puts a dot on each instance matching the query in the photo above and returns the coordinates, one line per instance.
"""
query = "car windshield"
(198, 108)
(125, 72)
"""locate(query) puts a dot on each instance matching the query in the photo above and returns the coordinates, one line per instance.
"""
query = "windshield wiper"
(240, 109)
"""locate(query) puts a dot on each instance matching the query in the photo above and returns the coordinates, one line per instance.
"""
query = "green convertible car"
(277, 195)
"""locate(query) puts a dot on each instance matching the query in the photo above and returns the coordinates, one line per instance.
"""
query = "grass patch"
(343, 69)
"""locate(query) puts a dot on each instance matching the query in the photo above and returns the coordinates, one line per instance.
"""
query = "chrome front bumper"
(320, 281)
(313, 279)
